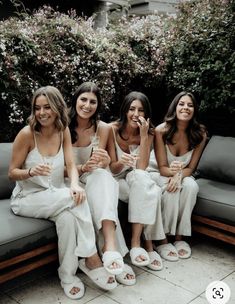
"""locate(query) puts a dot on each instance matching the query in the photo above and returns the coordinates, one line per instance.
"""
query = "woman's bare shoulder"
(114, 125)
(160, 129)
(25, 133)
(24, 138)
(104, 125)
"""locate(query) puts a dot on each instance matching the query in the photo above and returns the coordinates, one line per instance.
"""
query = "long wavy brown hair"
(194, 130)
(57, 104)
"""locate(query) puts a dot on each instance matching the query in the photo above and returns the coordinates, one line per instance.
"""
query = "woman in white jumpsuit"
(179, 143)
(136, 186)
(101, 188)
(40, 152)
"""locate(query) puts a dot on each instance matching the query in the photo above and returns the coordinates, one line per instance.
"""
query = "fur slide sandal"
(68, 287)
(182, 245)
(123, 277)
(98, 275)
(113, 257)
(135, 252)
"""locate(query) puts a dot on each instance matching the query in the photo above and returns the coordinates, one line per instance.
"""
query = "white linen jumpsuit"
(177, 206)
(33, 198)
(143, 197)
(102, 196)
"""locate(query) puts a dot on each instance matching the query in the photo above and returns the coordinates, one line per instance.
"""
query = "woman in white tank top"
(136, 187)
(178, 147)
(40, 152)
(89, 139)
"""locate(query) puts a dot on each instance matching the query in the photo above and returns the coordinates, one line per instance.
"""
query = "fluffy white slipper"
(123, 279)
(182, 245)
(68, 287)
(154, 256)
(137, 251)
(164, 251)
(98, 275)
(110, 257)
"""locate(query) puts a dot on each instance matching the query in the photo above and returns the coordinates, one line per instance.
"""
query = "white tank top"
(40, 183)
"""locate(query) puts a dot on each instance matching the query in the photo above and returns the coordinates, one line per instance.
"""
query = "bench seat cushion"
(216, 200)
(21, 234)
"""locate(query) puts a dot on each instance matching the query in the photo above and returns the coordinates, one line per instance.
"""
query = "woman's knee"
(190, 184)
(65, 219)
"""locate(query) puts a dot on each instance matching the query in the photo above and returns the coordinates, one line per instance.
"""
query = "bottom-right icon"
(218, 292)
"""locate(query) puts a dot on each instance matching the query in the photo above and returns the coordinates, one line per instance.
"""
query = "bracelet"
(29, 172)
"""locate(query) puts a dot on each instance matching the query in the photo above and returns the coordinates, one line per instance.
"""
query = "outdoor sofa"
(214, 213)
(27, 243)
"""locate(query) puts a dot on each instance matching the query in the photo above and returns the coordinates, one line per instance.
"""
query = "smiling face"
(136, 109)
(185, 108)
(86, 105)
(43, 112)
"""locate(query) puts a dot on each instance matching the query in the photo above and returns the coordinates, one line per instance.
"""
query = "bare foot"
(74, 290)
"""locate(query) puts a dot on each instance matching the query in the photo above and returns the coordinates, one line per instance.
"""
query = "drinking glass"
(179, 180)
(134, 152)
(48, 160)
(95, 140)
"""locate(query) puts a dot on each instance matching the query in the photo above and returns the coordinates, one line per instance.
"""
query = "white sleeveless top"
(185, 159)
(40, 183)
(119, 153)
(82, 154)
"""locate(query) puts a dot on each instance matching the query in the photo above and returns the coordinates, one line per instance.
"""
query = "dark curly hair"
(194, 130)
(84, 88)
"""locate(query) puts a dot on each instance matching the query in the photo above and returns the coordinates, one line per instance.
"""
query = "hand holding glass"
(95, 141)
(48, 160)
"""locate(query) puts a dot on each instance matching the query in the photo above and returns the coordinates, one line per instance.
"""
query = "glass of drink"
(48, 160)
(95, 140)
(134, 152)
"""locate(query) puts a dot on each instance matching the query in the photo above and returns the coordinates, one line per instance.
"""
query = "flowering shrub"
(159, 55)
(201, 52)
(63, 50)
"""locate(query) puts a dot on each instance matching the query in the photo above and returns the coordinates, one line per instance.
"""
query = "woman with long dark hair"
(89, 140)
(180, 140)
(130, 143)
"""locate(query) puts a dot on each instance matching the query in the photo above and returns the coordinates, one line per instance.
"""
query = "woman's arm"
(77, 192)
(160, 152)
(101, 153)
(116, 165)
(145, 144)
(188, 171)
(20, 150)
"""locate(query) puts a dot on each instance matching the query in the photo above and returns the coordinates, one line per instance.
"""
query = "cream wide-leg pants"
(102, 195)
(144, 202)
(74, 225)
(177, 207)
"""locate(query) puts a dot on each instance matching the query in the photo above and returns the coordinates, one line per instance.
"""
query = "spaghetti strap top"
(185, 158)
(119, 153)
(40, 183)
(82, 154)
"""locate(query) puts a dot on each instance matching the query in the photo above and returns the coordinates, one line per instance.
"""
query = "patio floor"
(179, 282)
